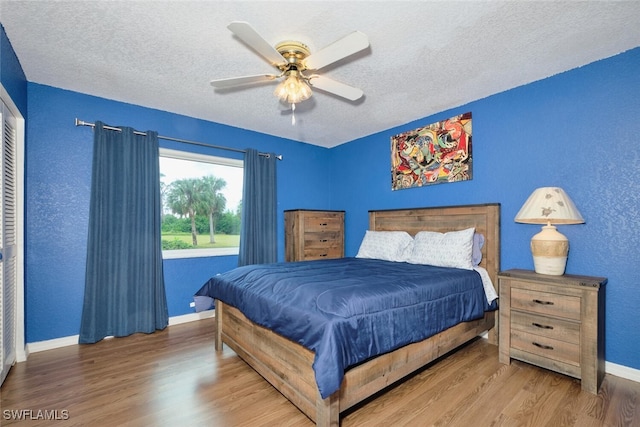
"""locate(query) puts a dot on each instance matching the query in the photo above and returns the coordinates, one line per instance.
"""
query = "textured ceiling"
(424, 56)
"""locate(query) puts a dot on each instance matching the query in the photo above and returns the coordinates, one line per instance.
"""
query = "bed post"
(218, 316)
(328, 410)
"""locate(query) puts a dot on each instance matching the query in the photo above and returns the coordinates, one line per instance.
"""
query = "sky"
(174, 169)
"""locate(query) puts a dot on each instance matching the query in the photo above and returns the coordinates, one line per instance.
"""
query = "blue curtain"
(124, 284)
(258, 234)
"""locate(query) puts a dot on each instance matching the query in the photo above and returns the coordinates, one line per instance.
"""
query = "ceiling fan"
(293, 59)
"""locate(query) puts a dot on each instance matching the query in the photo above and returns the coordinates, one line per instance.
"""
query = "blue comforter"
(350, 309)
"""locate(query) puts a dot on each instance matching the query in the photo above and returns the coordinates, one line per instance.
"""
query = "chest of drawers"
(555, 322)
(313, 234)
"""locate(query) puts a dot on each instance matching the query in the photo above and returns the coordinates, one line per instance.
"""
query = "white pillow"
(386, 245)
(452, 249)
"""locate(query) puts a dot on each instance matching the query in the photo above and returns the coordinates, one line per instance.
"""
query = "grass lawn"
(222, 240)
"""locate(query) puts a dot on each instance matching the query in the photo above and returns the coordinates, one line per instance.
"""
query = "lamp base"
(549, 249)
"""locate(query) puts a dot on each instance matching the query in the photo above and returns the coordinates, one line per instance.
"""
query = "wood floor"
(175, 378)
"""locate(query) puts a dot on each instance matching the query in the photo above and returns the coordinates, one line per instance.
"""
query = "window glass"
(201, 204)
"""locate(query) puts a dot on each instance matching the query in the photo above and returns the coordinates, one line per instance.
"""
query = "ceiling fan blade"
(250, 36)
(237, 81)
(348, 45)
(329, 85)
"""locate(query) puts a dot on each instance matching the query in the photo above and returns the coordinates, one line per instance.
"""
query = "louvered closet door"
(8, 234)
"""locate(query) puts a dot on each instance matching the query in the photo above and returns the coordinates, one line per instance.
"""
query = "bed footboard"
(288, 365)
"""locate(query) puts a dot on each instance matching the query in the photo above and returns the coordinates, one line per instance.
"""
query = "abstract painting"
(434, 154)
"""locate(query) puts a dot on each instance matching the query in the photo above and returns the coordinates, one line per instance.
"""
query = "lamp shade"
(293, 89)
(549, 205)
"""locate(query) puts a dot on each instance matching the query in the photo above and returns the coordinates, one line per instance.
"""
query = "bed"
(289, 365)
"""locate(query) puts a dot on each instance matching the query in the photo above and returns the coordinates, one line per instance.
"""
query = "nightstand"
(555, 322)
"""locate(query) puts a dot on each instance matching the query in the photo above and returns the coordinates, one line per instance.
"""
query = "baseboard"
(22, 354)
(622, 371)
(35, 347)
(191, 317)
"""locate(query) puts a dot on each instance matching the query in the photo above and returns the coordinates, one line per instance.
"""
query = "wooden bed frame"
(287, 365)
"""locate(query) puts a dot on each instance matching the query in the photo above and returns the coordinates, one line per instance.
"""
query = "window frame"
(203, 158)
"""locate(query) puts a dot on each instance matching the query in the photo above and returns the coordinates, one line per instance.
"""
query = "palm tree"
(163, 193)
(184, 197)
(213, 201)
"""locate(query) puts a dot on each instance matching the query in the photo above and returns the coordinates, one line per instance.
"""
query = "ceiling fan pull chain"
(293, 114)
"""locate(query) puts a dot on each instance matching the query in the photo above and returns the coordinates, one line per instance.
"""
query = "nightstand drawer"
(563, 330)
(545, 302)
(546, 347)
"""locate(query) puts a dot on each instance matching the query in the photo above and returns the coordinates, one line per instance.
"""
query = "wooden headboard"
(485, 218)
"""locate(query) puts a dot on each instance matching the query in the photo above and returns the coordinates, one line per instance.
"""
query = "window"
(201, 204)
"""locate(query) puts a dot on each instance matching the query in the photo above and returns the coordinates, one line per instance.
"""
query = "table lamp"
(549, 205)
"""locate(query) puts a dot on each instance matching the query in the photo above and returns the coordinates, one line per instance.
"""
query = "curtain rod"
(168, 138)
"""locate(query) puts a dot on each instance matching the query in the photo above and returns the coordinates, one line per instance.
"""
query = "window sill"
(198, 253)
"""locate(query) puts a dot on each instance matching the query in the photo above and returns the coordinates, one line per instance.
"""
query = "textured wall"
(577, 130)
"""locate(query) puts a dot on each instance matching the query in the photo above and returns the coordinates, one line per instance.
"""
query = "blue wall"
(578, 130)
(57, 198)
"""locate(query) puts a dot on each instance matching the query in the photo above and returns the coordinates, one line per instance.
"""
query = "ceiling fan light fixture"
(292, 58)
(293, 89)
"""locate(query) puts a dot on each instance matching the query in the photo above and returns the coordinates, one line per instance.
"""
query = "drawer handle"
(323, 240)
(323, 224)
(538, 325)
(323, 254)
(545, 347)
(537, 301)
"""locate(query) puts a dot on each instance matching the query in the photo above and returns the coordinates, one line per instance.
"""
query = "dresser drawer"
(563, 330)
(322, 223)
(322, 253)
(322, 239)
(545, 303)
(546, 347)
